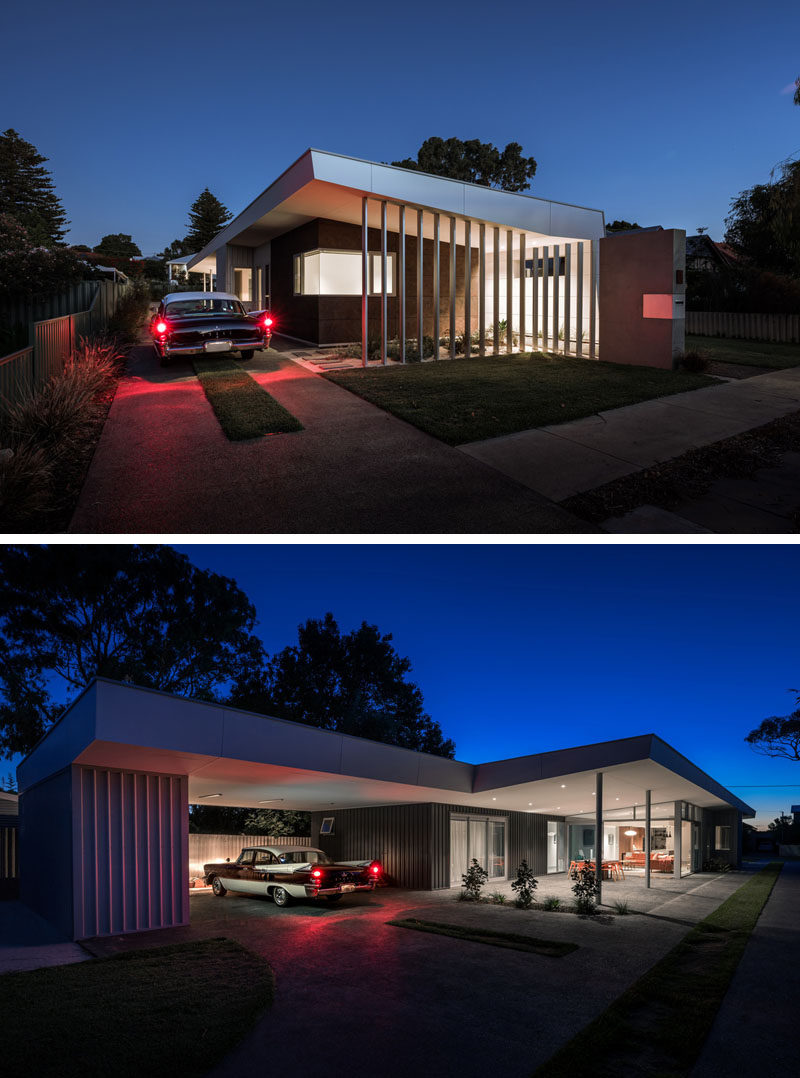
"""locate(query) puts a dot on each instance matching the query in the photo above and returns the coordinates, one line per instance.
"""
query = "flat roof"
(238, 758)
(331, 185)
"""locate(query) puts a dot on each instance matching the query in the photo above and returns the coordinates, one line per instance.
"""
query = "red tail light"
(161, 327)
(316, 873)
(375, 869)
(267, 320)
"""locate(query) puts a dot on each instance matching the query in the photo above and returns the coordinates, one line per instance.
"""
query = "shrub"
(584, 889)
(621, 907)
(498, 898)
(693, 361)
(714, 864)
(474, 879)
(94, 363)
(131, 311)
(51, 418)
(26, 480)
(551, 903)
(524, 885)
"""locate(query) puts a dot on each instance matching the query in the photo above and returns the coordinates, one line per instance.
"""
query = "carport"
(105, 794)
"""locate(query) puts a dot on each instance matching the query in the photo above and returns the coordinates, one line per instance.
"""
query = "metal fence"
(203, 849)
(9, 852)
(53, 339)
(750, 327)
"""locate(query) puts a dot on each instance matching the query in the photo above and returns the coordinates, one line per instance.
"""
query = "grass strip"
(769, 354)
(660, 1024)
(243, 408)
(468, 400)
(167, 1011)
(512, 940)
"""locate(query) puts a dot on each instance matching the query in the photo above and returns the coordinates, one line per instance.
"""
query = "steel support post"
(400, 284)
(567, 297)
(592, 300)
(523, 336)
(535, 298)
(647, 838)
(545, 299)
(509, 292)
(496, 291)
(384, 291)
(579, 301)
(556, 289)
(436, 283)
(677, 841)
(364, 278)
(598, 835)
(467, 288)
(482, 289)
(452, 288)
(420, 266)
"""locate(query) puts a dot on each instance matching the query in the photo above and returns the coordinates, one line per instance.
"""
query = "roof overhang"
(238, 758)
(322, 184)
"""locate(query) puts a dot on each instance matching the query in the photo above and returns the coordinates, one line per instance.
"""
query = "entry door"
(458, 851)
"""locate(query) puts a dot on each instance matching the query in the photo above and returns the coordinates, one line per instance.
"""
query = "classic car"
(287, 872)
(198, 323)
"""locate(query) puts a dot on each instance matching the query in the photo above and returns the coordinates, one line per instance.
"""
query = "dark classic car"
(198, 323)
(287, 872)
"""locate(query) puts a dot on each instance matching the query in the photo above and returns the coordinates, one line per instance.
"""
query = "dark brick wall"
(332, 319)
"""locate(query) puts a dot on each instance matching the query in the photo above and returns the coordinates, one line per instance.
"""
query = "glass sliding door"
(458, 850)
(556, 841)
(481, 838)
(477, 842)
(581, 842)
(497, 847)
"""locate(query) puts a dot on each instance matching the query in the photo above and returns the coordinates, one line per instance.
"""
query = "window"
(481, 838)
(338, 273)
(722, 837)
(246, 857)
(243, 284)
(264, 857)
(326, 827)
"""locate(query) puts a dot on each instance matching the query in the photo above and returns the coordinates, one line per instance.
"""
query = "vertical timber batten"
(401, 280)
(556, 331)
(579, 301)
(467, 288)
(523, 335)
(567, 298)
(364, 278)
(592, 299)
(384, 289)
(452, 288)
(598, 836)
(420, 268)
(535, 298)
(436, 286)
(496, 291)
(481, 289)
(509, 292)
(545, 298)
(647, 838)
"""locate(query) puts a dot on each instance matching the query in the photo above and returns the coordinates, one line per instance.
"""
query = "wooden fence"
(9, 852)
(52, 339)
(750, 327)
(203, 849)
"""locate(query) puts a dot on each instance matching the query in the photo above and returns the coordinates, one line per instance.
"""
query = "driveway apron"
(164, 465)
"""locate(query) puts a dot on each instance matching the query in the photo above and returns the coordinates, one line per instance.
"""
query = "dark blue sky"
(521, 649)
(658, 113)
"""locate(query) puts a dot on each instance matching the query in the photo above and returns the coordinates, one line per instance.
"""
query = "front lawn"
(243, 408)
(769, 354)
(168, 1011)
(468, 400)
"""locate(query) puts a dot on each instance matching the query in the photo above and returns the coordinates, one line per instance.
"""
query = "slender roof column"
(482, 289)
(647, 838)
(509, 292)
(522, 312)
(420, 305)
(496, 291)
(364, 277)
(401, 280)
(436, 275)
(579, 301)
(467, 288)
(452, 288)
(384, 291)
(598, 835)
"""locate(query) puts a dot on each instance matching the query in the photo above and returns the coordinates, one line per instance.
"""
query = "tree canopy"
(27, 269)
(475, 162)
(763, 225)
(118, 245)
(207, 216)
(623, 226)
(353, 682)
(27, 192)
(778, 736)
(135, 613)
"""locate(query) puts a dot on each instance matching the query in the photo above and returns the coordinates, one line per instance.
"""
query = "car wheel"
(281, 896)
(332, 898)
(217, 887)
(248, 353)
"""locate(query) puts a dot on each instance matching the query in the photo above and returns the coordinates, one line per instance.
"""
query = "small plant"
(524, 885)
(474, 879)
(498, 898)
(584, 889)
(552, 902)
(693, 361)
(714, 864)
(621, 907)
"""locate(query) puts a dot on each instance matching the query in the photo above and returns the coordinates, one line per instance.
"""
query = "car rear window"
(204, 306)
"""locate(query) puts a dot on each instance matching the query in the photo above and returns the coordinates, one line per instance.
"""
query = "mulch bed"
(691, 475)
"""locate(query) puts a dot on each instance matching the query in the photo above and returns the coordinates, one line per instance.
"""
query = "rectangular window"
(243, 284)
(497, 845)
(327, 826)
(722, 837)
(338, 273)
(481, 838)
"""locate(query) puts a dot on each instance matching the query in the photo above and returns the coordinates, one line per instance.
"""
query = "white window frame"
(298, 281)
(476, 817)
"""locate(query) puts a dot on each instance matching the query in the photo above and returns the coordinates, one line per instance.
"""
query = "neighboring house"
(177, 271)
(106, 793)
(705, 254)
(9, 844)
(344, 250)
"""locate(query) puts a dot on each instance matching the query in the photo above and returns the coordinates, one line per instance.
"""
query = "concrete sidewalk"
(571, 458)
(755, 1031)
(27, 941)
(163, 465)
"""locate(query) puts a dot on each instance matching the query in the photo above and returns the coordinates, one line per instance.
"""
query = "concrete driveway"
(354, 992)
(163, 465)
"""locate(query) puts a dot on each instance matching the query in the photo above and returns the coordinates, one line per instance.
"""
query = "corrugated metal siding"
(413, 841)
(130, 851)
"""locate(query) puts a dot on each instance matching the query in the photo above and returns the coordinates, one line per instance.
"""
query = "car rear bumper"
(166, 349)
(345, 889)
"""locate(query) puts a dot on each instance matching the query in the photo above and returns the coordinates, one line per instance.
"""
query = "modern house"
(105, 795)
(343, 250)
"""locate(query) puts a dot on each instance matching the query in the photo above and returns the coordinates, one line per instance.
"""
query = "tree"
(27, 191)
(206, 217)
(27, 269)
(275, 822)
(117, 245)
(354, 683)
(475, 162)
(778, 737)
(622, 226)
(796, 97)
(177, 249)
(134, 613)
(763, 226)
